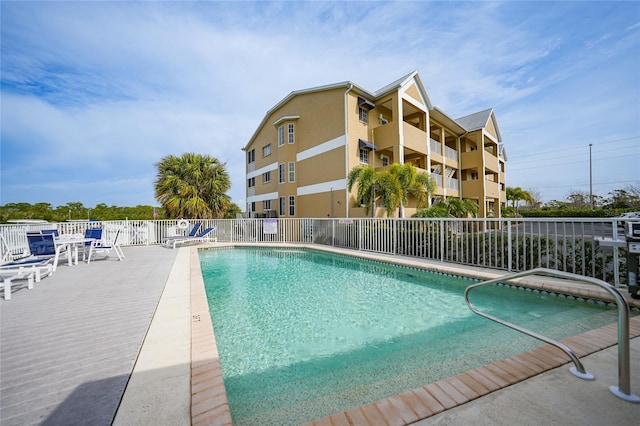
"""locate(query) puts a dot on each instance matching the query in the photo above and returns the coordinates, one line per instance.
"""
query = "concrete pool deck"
(175, 338)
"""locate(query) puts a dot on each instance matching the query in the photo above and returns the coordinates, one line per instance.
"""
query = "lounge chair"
(43, 247)
(167, 242)
(96, 234)
(195, 239)
(54, 232)
(105, 247)
(31, 269)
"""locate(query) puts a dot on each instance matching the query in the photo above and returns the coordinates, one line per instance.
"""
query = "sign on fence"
(270, 226)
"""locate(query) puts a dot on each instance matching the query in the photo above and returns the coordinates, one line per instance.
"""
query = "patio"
(69, 345)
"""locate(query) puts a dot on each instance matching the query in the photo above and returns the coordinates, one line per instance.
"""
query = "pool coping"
(209, 404)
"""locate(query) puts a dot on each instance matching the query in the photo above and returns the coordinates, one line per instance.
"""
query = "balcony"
(388, 137)
(414, 138)
(491, 162)
(493, 190)
(472, 188)
(471, 159)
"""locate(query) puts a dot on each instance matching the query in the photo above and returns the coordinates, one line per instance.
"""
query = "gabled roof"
(478, 120)
(394, 85)
(402, 81)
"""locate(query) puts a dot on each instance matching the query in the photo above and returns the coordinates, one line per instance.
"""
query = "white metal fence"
(507, 244)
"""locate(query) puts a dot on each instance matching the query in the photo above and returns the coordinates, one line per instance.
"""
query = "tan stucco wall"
(322, 118)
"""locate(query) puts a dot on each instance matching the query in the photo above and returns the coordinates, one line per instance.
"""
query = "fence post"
(395, 236)
(509, 246)
(333, 232)
(442, 230)
(616, 262)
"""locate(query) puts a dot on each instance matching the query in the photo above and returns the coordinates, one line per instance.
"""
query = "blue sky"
(94, 94)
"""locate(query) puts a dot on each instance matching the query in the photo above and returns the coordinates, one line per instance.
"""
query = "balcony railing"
(509, 244)
(451, 153)
(453, 183)
(436, 147)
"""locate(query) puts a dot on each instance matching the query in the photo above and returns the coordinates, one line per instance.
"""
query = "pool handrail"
(623, 390)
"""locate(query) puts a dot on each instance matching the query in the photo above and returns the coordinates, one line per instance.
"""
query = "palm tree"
(389, 191)
(392, 187)
(365, 177)
(451, 207)
(412, 183)
(383, 187)
(192, 186)
(516, 195)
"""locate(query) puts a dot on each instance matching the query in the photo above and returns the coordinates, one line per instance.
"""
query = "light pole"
(590, 178)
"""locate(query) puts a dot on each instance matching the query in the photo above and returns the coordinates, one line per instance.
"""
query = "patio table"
(72, 243)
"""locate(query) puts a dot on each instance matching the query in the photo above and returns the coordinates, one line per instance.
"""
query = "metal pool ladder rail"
(623, 390)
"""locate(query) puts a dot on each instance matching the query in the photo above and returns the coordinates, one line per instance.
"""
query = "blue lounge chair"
(31, 268)
(53, 232)
(197, 238)
(96, 234)
(193, 233)
(44, 247)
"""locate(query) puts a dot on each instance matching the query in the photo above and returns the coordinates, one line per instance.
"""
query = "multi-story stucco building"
(298, 159)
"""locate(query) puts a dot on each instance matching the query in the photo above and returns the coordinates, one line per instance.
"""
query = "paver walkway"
(69, 345)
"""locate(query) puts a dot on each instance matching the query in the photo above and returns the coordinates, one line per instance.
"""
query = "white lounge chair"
(105, 247)
(16, 271)
(197, 238)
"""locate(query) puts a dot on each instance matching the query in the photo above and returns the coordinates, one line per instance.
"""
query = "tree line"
(575, 204)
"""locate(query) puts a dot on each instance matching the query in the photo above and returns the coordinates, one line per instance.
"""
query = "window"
(291, 133)
(253, 206)
(266, 150)
(266, 177)
(280, 135)
(251, 182)
(281, 173)
(292, 171)
(266, 205)
(282, 211)
(385, 161)
(364, 114)
(364, 156)
(292, 205)
(251, 156)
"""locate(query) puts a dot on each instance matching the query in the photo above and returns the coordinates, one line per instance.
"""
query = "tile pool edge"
(209, 401)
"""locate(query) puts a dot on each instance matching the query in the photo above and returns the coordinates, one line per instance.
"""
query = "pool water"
(305, 334)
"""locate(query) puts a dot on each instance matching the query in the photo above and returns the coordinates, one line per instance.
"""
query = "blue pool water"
(304, 334)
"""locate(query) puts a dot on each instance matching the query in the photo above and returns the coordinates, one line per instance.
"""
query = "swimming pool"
(303, 334)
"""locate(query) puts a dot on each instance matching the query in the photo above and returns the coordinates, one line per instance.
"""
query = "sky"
(95, 94)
